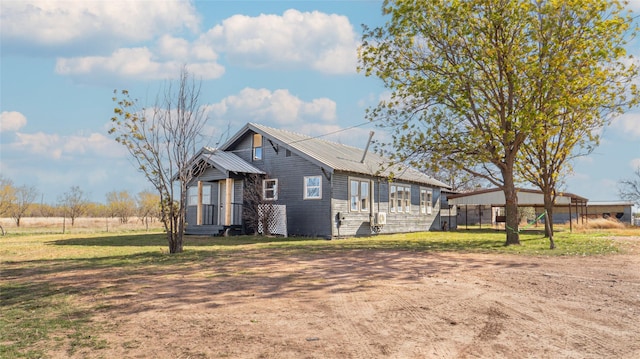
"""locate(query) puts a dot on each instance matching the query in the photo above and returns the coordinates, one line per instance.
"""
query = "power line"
(330, 133)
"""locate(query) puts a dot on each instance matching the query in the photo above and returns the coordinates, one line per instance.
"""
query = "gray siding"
(305, 217)
(330, 216)
(359, 223)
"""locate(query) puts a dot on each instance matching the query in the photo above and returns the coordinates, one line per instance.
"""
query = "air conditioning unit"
(380, 218)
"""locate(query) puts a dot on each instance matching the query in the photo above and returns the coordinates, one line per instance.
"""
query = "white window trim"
(405, 201)
(305, 194)
(426, 203)
(275, 189)
(358, 195)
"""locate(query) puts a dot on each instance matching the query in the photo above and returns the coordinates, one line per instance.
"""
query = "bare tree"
(24, 197)
(73, 203)
(7, 196)
(162, 140)
(148, 207)
(629, 188)
(121, 205)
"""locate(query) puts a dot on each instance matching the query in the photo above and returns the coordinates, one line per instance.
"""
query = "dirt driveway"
(369, 304)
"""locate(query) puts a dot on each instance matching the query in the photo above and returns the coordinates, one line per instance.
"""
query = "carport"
(494, 198)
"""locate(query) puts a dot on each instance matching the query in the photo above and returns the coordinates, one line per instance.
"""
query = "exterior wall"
(305, 217)
(619, 212)
(329, 216)
(474, 215)
(448, 214)
(349, 223)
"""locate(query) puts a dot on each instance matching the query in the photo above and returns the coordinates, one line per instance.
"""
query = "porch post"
(227, 200)
(570, 219)
(199, 207)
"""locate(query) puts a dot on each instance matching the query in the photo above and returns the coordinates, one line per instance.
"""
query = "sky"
(285, 64)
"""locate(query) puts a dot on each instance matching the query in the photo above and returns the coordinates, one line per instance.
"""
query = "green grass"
(36, 315)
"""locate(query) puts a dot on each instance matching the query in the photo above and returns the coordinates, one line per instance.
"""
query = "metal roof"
(526, 197)
(227, 161)
(335, 156)
(610, 203)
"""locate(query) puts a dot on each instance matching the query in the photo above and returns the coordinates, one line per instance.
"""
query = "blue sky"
(286, 64)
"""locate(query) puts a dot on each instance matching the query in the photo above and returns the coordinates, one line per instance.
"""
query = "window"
(364, 196)
(399, 198)
(192, 196)
(426, 200)
(270, 189)
(257, 146)
(206, 194)
(312, 187)
(359, 195)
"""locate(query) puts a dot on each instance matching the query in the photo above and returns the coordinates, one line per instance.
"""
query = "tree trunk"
(548, 219)
(175, 242)
(548, 207)
(547, 227)
(511, 212)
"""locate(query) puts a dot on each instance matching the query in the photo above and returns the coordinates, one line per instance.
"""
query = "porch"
(213, 223)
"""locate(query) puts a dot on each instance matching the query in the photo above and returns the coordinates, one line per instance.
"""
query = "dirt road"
(369, 304)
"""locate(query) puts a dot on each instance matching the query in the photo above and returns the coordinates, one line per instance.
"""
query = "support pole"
(199, 207)
(570, 219)
(227, 200)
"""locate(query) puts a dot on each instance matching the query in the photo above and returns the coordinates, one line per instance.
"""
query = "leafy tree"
(583, 83)
(24, 197)
(73, 203)
(121, 204)
(629, 188)
(162, 140)
(466, 78)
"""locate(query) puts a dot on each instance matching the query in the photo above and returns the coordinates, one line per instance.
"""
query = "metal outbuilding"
(494, 198)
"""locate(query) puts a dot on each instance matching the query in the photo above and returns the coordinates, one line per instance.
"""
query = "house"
(321, 188)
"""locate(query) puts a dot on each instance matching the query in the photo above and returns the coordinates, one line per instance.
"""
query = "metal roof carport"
(494, 197)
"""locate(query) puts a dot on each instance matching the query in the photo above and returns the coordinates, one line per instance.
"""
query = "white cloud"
(63, 23)
(629, 124)
(54, 146)
(323, 42)
(634, 163)
(39, 143)
(11, 121)
(277, 107)
(139, 63)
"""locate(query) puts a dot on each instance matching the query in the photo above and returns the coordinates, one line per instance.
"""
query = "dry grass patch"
(600, 223)
(33, 225)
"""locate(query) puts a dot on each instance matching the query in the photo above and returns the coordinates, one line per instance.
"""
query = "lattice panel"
(275, 217)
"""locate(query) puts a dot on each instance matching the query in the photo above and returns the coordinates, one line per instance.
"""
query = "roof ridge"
(306, 137)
